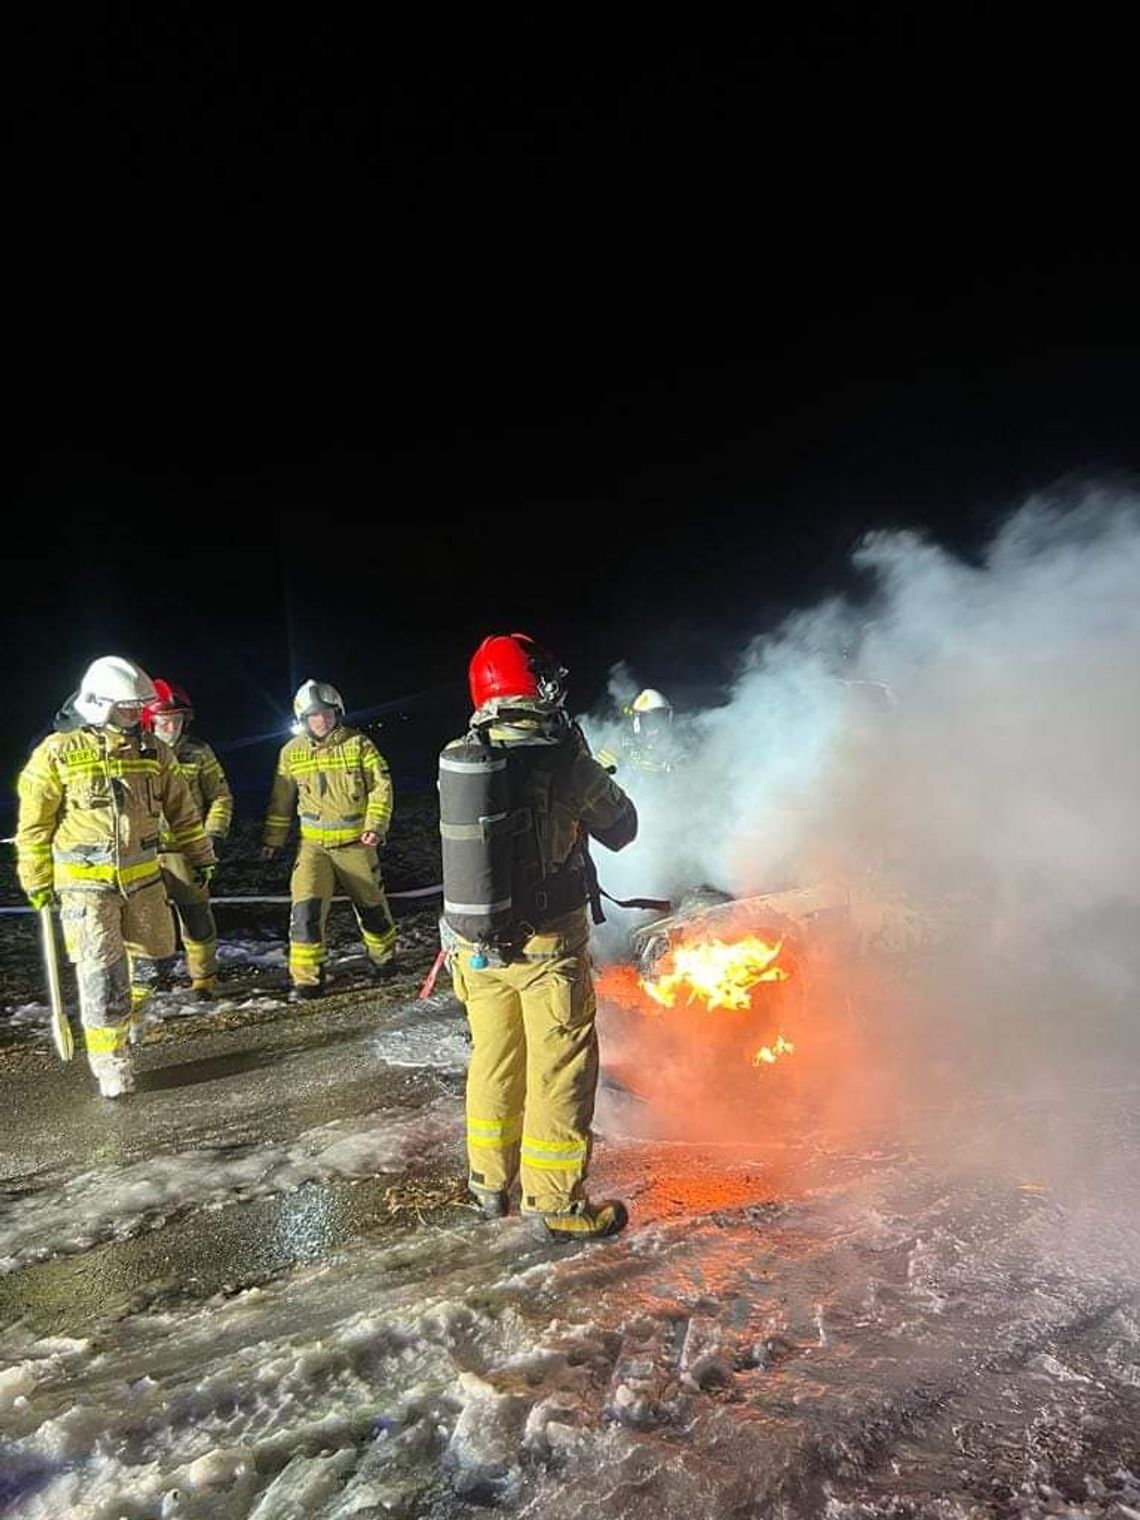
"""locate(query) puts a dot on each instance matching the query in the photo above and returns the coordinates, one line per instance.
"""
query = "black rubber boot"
(304, 993)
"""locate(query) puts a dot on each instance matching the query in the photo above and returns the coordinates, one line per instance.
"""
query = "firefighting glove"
(270, 851)
(42, 897)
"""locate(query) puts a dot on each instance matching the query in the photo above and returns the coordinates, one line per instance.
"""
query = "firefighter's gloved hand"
(372, 838)
(42, 897)
(270, 851)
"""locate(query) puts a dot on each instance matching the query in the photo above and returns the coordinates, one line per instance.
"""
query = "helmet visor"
(125, 714)
(654, 725)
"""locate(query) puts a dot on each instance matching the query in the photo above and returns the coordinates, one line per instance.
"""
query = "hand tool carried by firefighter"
(60, 1028)
(429, 981)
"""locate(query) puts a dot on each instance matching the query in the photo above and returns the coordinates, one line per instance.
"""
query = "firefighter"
(337, 781)
(519, 796)
(647, 742)
(168, 718)
(91, 800)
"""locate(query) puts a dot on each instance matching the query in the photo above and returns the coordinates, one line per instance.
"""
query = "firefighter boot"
(113, 1072)
(305, 992)
(203, 989)
(493, 1202)
(384, 971)
(585, 1221)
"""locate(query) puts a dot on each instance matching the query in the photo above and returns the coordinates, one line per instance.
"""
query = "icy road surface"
(252, 1292)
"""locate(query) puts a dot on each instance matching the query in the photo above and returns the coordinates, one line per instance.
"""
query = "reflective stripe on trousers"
(103, 932)
(317, 873)
(532, 1076)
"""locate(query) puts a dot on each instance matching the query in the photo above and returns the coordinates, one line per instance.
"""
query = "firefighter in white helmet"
(91, 801)
(647, 741)
(338, 783)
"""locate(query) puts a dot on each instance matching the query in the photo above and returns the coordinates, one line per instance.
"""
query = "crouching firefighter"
(338, 782)
(515, 793)
(91, 801)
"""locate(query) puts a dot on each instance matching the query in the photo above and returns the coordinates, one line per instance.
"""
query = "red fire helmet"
(170, 699)
(513, 665)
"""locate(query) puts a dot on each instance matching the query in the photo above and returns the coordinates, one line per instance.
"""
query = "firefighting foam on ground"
(871, 1089)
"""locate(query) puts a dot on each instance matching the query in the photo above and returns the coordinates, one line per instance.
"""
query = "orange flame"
(768, 1055)
(719, 974)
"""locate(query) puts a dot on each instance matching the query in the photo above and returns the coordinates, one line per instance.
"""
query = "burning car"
(728, 992)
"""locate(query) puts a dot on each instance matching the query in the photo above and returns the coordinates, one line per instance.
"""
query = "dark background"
(342, 341)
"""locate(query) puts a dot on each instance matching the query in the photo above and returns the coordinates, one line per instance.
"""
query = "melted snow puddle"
(116, 1202)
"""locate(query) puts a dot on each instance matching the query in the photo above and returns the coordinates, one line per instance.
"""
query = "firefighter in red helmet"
(520, 794)
(168, 717)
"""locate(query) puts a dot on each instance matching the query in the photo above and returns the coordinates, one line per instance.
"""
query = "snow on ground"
(895, 1329)
(118, 1201)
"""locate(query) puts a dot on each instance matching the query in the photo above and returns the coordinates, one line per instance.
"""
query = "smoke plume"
(955, 748)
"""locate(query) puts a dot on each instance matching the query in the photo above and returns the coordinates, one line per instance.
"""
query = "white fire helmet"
(110, 682)
(650, 701)
(312, 696)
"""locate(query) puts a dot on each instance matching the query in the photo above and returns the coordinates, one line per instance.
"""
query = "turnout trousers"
(191, 904)
(533, 1074)
(317, 873)
(104, 933)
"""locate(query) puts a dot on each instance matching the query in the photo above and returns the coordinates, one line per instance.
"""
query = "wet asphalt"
(249, 1072)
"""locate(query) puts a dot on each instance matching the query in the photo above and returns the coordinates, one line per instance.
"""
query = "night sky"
(342, 341)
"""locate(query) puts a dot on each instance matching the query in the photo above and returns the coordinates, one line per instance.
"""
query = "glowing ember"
(768, 1055)
(718, 974)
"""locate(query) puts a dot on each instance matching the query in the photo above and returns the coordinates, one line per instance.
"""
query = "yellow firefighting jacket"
(199, 768)
(91, 802)
(628, 752)
(338, 785)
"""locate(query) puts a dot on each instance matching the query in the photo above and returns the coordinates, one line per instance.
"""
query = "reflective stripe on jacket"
(91, 802)
(199, 768)
(339, 786)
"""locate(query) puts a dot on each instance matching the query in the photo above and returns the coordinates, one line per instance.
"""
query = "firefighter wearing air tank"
(338, 783)
(520, 795)
(91, 801)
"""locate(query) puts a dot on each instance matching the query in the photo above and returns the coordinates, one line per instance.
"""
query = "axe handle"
(60, 1028)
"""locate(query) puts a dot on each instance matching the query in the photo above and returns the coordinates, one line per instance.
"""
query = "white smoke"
(963, 739)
